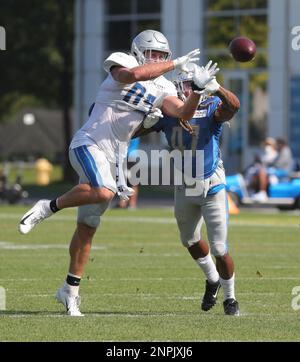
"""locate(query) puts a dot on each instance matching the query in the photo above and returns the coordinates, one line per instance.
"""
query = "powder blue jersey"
(206, 136)
(133, 146)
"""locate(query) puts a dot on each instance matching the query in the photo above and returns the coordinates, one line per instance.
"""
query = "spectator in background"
(284, 159)
(275, 163)
(282, 164)
(269, 153)
(257, 174)
(132, 202)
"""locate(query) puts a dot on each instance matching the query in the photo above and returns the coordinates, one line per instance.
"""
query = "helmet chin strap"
(182, 95)
(180, 90)
(140, 57)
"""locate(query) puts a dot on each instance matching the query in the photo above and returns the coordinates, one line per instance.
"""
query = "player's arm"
(142, 72)
(230, 104)
(151, 70)
(174, 107)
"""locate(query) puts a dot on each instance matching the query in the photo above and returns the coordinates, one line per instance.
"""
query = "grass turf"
(141, 285)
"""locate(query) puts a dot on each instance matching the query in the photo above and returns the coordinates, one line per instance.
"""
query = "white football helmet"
(180, 77)
(149, 40)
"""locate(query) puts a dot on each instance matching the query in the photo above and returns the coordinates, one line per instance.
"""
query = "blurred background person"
(284, 158)
(283, 163)
(269, 152)
(256, 175)
(274, 164)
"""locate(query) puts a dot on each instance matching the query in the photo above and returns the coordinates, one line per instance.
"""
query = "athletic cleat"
(40, 211)
(231, 307)
(210, 296)
(70, 302)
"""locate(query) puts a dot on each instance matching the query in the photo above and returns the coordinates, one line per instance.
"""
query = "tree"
(37, 67)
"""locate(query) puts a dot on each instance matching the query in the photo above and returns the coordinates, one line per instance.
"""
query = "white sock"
(209, 268)
(228, 287)
(72, 290)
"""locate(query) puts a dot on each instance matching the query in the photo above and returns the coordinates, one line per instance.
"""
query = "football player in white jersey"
(134, 88)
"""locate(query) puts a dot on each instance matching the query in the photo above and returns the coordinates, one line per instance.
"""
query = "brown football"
(242, 49)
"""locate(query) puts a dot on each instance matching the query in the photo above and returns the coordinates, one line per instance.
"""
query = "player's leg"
(189, 221)
(200, 253)
(80, 246)
(91, 163)
(215, 213)
(79, 251)
(84, 194)
(87, 222)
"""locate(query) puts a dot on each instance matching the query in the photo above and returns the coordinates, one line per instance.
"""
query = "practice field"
(140, 283)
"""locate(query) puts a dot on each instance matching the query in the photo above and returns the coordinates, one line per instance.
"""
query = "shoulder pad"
(171, 88)
(122, 59)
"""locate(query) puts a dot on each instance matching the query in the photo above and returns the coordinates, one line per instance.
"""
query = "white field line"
(27, 279)
(143, 314)
(5, 245)
(153, 220)
(251, 267)
(149, 279)
(143, 295)
(187, 278)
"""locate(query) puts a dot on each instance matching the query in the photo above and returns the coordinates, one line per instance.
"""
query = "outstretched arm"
(142, 72)
(152, 70)
(229, 106)
(174, 107)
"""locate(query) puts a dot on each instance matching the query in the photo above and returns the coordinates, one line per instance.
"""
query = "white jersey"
(120, 108)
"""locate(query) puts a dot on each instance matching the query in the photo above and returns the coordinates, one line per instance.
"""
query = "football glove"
(180, 63)
(203, 75)
(152, 117)
(212, 87)
(124, 192)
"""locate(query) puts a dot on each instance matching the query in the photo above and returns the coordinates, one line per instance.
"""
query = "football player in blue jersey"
(202, 133)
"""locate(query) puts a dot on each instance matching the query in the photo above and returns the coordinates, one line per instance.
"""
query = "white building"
(268, 87)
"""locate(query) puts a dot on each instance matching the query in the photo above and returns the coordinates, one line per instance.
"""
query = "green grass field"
(140, 283)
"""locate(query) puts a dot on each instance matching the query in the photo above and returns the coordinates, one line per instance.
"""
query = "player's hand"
(124, 192)
(180, 63)
(152, 117)
(212, 87)
(203, 75)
